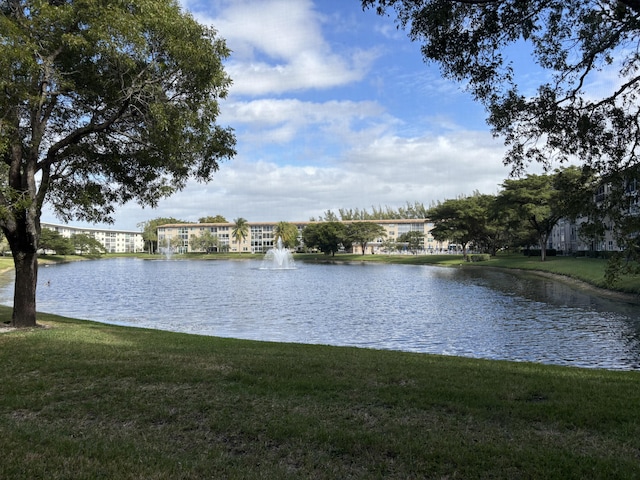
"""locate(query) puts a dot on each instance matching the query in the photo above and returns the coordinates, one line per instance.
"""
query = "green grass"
(589, 270)
(6, 263)
(82, 400)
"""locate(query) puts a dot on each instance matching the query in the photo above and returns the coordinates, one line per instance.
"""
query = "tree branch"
(632, 4)
(81, 133)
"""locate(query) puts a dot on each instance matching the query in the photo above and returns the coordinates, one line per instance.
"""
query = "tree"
(389, 245)
(86, 243)
(327, 237)
(240, 230)
(413, 239)
(288, 232)
(364, 232)
(101, 106)
(329, 216)
(496, 231)
(150, 231)
(54, 241)
(416, 210)
(206, 242)
(461, 220)
(216, 219)
(542, 200)
(572, 41)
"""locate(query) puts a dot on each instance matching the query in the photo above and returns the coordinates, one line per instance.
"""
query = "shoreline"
(581, 284)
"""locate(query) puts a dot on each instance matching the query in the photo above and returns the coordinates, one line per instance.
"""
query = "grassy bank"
(588, 270)
(85, 401)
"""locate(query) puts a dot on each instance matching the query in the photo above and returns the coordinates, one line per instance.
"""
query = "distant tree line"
(410, 211)
(521, 216)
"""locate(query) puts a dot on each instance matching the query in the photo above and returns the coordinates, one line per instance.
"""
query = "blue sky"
(333, 107)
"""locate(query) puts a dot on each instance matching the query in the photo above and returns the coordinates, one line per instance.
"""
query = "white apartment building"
(261, 237)
(114, 241)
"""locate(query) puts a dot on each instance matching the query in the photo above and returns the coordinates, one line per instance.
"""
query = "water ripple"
(464, 312)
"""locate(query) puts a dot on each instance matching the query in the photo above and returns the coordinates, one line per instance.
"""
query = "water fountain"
(167, 250)
(278, 258)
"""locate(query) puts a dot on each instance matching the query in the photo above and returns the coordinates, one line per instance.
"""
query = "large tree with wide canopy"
(103, 102)
(586, 104)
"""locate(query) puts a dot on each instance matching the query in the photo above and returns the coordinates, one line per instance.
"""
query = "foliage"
(288, 232)
(362, 233)
(616, 212)
(240, 230)
(150, 231)
(542, 200)
(416, 210)
(83, 243)
(327, 237)
(463, 220)
(584, 109)
(574, 43)
(216, 219)
(328, 216)
(389, 245)
(205, 242)
(54, 241)
(4, 246)
(414, 241)
(101, 105)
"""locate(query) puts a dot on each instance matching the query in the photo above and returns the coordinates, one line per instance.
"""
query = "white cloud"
(282, 121)
(389, 171)
(302, 153)
(278, 46)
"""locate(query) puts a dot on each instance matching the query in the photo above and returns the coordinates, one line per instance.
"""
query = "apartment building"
(114, 241)
(565, 236)
(260, 236)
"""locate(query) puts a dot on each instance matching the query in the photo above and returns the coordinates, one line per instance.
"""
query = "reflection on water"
(466, 312)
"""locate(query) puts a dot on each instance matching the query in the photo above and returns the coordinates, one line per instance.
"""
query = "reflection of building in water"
(114, 241)
(261, 237)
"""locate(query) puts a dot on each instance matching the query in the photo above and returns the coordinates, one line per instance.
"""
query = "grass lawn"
(6, 263)
(82, 400)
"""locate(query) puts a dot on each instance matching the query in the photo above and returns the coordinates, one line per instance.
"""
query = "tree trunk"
(23, 237)
(24, 298)
(543, 248)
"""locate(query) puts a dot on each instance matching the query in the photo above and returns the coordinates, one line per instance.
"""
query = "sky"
(332, 107)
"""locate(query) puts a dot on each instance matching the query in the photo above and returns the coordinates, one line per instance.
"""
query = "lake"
(471, 312)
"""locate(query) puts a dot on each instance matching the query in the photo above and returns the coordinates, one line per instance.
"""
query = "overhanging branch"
(632, 4)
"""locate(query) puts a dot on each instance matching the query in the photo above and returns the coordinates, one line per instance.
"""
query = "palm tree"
(288, 232)
(240, 230)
